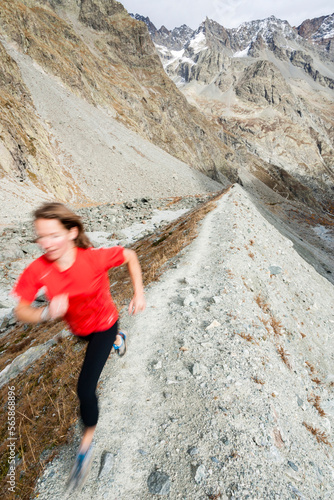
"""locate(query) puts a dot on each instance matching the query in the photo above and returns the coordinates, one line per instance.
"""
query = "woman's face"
(53, 238)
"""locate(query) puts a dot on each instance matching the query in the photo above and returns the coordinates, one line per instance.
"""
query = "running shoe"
(121, 349)
(80, 470)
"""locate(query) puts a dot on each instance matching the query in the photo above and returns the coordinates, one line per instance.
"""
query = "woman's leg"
(98, 349)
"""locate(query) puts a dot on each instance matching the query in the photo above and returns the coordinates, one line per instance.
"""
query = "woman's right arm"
(56, 309)
(28, 314)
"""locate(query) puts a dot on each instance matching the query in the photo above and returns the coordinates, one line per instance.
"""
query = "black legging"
(98, 350)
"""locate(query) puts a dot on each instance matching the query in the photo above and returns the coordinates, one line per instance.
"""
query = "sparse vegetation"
(276, 325)
(245, 336)
(261, 303)
(214, 497)
(320, 436)
(315, 401)
(266, 324)
(257, 380)
(310, 366)
(284, 355)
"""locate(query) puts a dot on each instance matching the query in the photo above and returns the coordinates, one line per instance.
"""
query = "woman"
(73, 276)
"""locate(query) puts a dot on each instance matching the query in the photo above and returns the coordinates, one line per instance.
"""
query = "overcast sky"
(228, 13)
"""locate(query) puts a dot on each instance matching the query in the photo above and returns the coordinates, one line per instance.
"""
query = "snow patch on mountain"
(242, 53)
(177, 56)
(198, 43)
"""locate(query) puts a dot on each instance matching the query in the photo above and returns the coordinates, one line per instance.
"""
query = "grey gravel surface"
(215, 397)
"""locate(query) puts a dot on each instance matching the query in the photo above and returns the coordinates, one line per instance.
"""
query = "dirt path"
(215, 394)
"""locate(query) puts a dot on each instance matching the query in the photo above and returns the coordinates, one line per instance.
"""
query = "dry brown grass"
(257, 380)
(284, 355)
(310, 366)
(46, 408)
(313, 373)
(315, 401)
(214, 496)
(316, 380)
(246, 336)
(266, 323)
(46, 401)
(320, 436)
(261, 303)
(311, 218)
(276, 325)
(272, 324)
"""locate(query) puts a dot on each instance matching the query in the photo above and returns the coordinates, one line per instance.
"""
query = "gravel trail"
(225, 374)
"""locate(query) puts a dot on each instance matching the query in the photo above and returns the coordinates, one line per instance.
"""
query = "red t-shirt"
(86, 282)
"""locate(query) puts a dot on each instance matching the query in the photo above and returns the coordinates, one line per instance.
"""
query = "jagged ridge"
(250, 79)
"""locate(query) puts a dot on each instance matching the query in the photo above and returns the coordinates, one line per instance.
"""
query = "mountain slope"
(108, 161)
(102, 55)
(27, 154)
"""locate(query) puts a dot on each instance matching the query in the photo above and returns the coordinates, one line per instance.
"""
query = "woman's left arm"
(138, 302)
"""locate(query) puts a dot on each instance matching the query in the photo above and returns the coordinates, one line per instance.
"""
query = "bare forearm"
(56, 309)
(134, 269)
(29, 314)
(138, 302)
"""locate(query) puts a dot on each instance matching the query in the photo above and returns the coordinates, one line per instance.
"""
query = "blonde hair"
(56, 210)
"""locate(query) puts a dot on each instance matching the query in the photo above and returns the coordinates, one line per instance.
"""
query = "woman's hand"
(137, 304)
(58, 306)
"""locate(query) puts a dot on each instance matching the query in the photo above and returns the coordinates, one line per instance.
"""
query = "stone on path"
(199, 473)
(214, 324)
(107, 462)
(158, 483)
(275, 269)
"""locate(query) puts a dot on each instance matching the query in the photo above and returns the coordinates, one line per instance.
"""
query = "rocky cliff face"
(27, 151)
(272, 92)
(320, 31)
(310, 26)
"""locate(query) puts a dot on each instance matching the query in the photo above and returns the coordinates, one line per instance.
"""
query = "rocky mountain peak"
(173, 40)
(319, 27)
(248, 32)
(310, 26)
(325, 30)
(250, 76)
(150, 26)
(216, 35)
(319, 30)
